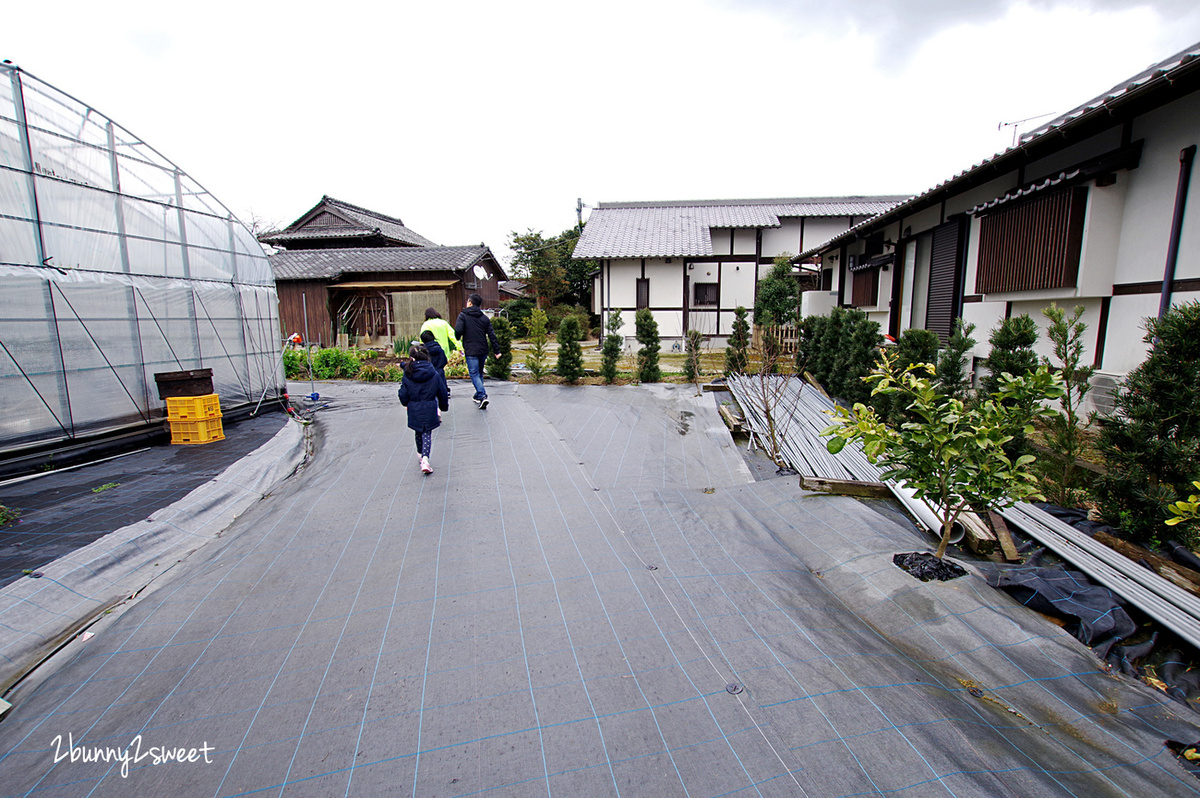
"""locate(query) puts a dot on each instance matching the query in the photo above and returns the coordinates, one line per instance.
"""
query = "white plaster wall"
(745, 241)
(737, 285)
(1102, 238)
(1150, 197)
(620, 283)
(819, 229)
(666, 282)
(720, 240)
(782, 239)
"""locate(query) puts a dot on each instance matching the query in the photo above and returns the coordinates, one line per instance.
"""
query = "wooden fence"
(786, 334)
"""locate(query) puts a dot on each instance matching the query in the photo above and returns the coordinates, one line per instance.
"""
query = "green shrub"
(693, 345)
(1151, 442)
(330, 364)
(1064, 431)
(953, 380)
(393, 373)
(647, 357)
(8, 515)
(517, 312)
(1012, 351)
(738, 347)
(535, 357)
(371, 373)
(295, 364)
(570, 353)
(501, 368)
(614, 342)
(841, 351)
(914, 346)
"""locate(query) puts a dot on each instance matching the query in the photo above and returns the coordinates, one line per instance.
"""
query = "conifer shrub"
(1151, 441)
(500, 368)
(646, 331)
(610, 354)
(1012, 351)
(693, 347)
(570, 353)
(952, 377)
(738, 347)
(1065, 482)
(535, 358)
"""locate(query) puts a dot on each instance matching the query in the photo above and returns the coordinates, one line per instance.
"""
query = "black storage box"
(197, 382)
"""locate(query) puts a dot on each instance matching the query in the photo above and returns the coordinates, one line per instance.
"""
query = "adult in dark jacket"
(423, 391)
(475, 331)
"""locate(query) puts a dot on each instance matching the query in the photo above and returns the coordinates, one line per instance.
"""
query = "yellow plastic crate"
(202, 431)
(193, 408)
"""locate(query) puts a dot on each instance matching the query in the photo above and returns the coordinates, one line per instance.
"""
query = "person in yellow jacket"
(442, 330)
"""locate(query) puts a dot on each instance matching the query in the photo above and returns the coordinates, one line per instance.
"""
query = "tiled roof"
(324, 264)
(360, 223)
(682, 228)
(1152, 86)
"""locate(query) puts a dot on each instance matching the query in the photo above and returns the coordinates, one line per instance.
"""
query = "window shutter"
(1033, 244)
(944, 288)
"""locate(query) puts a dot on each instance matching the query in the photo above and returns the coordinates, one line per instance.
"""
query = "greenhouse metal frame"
(115, 265)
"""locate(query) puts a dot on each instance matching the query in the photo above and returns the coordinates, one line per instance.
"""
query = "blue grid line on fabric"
(108, 658)
(546, 562)
(1011, 662)
(569, 471)
(228, 620)
(386, 630)
(566, 469)
(516, 597)
(701, 521)
(349, 613)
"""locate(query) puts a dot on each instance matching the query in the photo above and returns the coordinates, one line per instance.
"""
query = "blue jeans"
(475, 369)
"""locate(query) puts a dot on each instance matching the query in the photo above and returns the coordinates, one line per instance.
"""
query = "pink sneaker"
(426, 468)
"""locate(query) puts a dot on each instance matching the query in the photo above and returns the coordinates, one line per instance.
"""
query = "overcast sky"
(472, 119)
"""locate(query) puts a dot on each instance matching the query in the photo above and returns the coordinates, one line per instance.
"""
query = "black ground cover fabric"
(561, 608)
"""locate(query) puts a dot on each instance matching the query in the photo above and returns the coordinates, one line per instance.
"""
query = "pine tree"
(570, 353)
(1151, 442)
(500, 368)
(611, 352)
(739, 343)
(1064, 433)
(1012, 351)
(647, 357)
(952, 366)
(535, 358)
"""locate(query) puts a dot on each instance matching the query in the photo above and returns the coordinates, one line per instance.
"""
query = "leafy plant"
(778, 294)
(1064, 430)
(646, 332)
(456, 364)
(8, 515)
(535, 358)
(295, 364)
(570, 353)
(371, 373)
(106, 486)
(952, 455)
(738, 347)
(1151, 442)
(1185, 511)
(331, 364)
(914, 346)
(611, 352)
(500, 368)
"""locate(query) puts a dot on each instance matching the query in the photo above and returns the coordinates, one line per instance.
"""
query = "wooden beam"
(846, 487)
(1003, 537)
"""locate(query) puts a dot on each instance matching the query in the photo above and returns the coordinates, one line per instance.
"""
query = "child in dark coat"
(437, 355)
(423, 391)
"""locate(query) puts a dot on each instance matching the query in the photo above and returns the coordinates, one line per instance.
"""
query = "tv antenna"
(1013, 125)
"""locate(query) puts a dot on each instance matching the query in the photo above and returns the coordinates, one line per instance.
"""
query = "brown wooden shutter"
(1033, 244)
(944, 289)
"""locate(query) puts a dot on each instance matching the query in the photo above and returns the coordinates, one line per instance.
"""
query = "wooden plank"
(977, 535)
(1004, 537)
(846, 487)
(1170, 570)
(715, 386)
(733, 422)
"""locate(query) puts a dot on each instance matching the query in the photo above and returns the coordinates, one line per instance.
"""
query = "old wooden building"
(347, 270)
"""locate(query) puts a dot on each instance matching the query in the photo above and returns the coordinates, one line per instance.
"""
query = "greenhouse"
(115, 266)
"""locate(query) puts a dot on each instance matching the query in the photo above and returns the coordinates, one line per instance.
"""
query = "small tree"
(1064, 430)
(500, 368)
(952, 455)
(611, 352)
(1151, 442)
(646, 330)
(736, 351)
(570, 353)
(535, 358)
(693, 345)
(914, 346)
(1012, 351)
(778, 295)
(952, 365)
